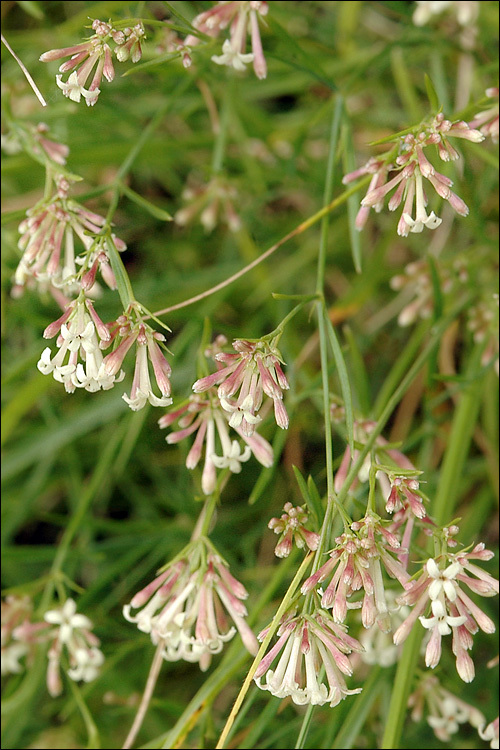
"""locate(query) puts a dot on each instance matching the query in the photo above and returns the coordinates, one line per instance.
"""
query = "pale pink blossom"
(291, 527)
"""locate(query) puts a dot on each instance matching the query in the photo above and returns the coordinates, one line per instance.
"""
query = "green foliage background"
(135, 501)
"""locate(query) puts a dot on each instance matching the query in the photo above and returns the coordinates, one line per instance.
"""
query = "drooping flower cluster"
(252, 371)
(80, 363)
(415, 285)
(307, 643)
(204, 416)
(242, 17)
(72, 633)
(214, 203)
(443, 711)
(190, 606)
(291, 527)
(91, 60)
(48, 244)
(356, 564)
(451, 608)
(409, 164)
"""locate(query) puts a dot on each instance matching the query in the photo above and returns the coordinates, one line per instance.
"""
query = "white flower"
(88, 662)
(74, 91)
(10, 657)
(67, 619)
(441, 620)
(232, 57)
(443, 580)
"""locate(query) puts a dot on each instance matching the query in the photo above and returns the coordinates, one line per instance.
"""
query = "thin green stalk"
(94, 741)
(220, 141)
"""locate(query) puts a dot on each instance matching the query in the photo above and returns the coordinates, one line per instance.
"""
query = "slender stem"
(26, 73)
(148, 694)
(294, 233)
(262, 650)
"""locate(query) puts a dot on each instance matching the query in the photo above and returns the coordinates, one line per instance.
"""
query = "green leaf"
(432, 95)
(349, 164)
(156, 211)
(32, 8)
(344, 380)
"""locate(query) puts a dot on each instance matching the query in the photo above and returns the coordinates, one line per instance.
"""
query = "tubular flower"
(254, 370)
(91, 60)
(72, 633)
(187, 607)
(78, 363)
(48, 243)
(356, 563)
(242, 17)
(445, 712)
(291, 527)
(307, 643)
(490, 733)
(451, 609)
(409, 169)
(205, 417)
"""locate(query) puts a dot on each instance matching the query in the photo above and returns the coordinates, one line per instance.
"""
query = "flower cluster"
(356, 563)
(91, 60)
(79, 362)
(445, 712)
(213, 202)
(451, 608)
(72, 633)
(466, 12)
(308, 643)
(205, 416)
(411, 166)
(242, 17)
(487, 120)
(47, 242)
(291, 527)
(254, 370)
(186, 607)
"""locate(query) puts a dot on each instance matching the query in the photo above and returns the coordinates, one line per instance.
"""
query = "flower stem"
(148, 694)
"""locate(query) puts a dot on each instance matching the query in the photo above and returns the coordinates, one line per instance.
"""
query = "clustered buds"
(242, 17)
(91, 60)
(291, 527)
(410, 167)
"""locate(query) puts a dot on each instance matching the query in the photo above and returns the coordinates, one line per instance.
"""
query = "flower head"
(251, 372)
(291, 527)
(307, 643)
(409, 165)
(71, 633)
(242, 17)
(451, 608)
(487, 120)
(187, 607)
(356, 564)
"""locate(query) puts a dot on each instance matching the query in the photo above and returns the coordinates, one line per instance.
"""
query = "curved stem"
(294, 233)
(26, 73)
(146, 698)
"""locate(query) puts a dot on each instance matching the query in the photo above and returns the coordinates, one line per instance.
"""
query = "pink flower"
(205, 418)
(487, 120)
(409, 170)
(356, 563)
(242, 18)
(188, 604)
(307, 643)
(254, 370)
(291, 527)
(452, 610)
